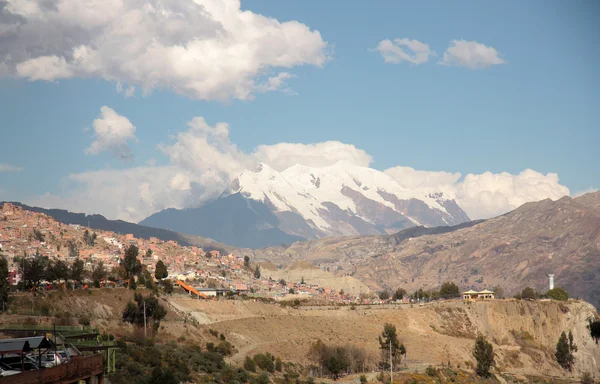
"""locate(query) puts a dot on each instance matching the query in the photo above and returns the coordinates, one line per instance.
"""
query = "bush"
(587, 378)
(528, 293)
(363, 379)
(558, 293)
(431, 371)
(84, 320)
(265, 362)
(249, 364)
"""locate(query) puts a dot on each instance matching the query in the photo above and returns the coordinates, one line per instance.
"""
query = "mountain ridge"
(302, 202)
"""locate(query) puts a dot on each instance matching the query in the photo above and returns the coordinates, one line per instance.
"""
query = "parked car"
(65, 356)
(5, 370)
(14, 362)
(47, 360)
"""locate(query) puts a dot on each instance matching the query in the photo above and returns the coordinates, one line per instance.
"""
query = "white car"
(49, 359)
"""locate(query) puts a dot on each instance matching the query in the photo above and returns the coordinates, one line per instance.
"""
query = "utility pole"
(391, 364)
(144, 321)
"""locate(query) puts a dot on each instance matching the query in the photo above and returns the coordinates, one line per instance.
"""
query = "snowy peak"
(344, 199)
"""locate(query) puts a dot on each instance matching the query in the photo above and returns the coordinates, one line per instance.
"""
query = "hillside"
(514, 250)
(265, 207)
(433, 335)
(123, 227)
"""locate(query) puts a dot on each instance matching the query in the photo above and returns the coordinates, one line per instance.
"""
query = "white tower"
(551, 281)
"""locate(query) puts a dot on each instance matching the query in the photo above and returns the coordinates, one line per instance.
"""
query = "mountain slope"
(119, 226)
(514, 250)
(309, 203)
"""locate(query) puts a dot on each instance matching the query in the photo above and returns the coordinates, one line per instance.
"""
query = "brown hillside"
(515, 250)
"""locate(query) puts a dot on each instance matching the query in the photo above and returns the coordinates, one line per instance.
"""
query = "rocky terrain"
(514, 250)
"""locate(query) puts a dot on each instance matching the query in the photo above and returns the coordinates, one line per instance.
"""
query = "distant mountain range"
(123, 227)
(264, 207)
(515, 250)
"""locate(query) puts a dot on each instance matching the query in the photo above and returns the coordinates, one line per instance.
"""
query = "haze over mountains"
(265, 207)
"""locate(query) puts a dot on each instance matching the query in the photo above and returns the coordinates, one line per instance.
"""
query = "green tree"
(594, 327)
(148, 253)
(257, 272)
(399, 294)
(4, 283)
(246, 261)
(34, 269)
(389, 340)
(73, 249)
(291, 291)
(99, 272)
(483, 352)
(302, 281)
(564, 351)
(161, 271)
(449, 290)
(134, 311)
(528, 293)
(384, 295)
(282, 282)
(88, 239)
(132, 264)
(77, 270)
(249, 364)
(558, 293)
(58, 271)
(208, 255)
(167, 286)
(498, 292)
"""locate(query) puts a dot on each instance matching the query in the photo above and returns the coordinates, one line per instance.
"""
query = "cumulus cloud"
(487, 194)
(471, 54)
(124, 90)
(203, 49)
(9, 168)
(399, 50)
(585, 191)
(202, 164)
(112, 132)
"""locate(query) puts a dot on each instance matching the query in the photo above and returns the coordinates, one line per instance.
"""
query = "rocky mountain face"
(514, 250)
(265, 207)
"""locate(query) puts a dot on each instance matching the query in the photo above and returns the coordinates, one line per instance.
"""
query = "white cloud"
(400, 50)
(126, 91)
(487, 194)
(471, 54)
(9, 168)
(203, 49)
(112, 132)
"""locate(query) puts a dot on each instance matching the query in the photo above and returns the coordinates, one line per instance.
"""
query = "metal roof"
(24, 344)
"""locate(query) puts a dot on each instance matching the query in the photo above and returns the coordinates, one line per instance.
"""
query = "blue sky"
(538, 110)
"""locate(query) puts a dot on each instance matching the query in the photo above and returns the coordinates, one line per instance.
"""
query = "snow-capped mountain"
(266, 207)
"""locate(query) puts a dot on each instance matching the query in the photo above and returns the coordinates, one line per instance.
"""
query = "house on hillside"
(472, 295)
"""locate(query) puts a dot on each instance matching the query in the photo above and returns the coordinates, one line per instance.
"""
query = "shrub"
(249, 364)
(587, 378)
(431, 371)
(265, 362)
(84, 320)
(528, 293)
(363, 379)
(558, 293)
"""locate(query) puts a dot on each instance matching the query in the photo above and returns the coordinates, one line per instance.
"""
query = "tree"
(302, 281)
(564, 351)
(257, 272)
(4, 283)
(34, 269)
(132, 264)
(399, 294)
(39, 236)
(77, 270)
(73, 249)
(389, 339)
(246, 261)
(449, 290)
(58, 271)
(148, 253)
(292, 291)
(594, 327)
(528, 293)
(282, 282)
(99, 272)
(134, 311)
(558, 293)
(167, 286)
(498, 292)
(249, 364)
(161, 271)
(483, 352)
(384, 295)
(88, 239)
(208, 255)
